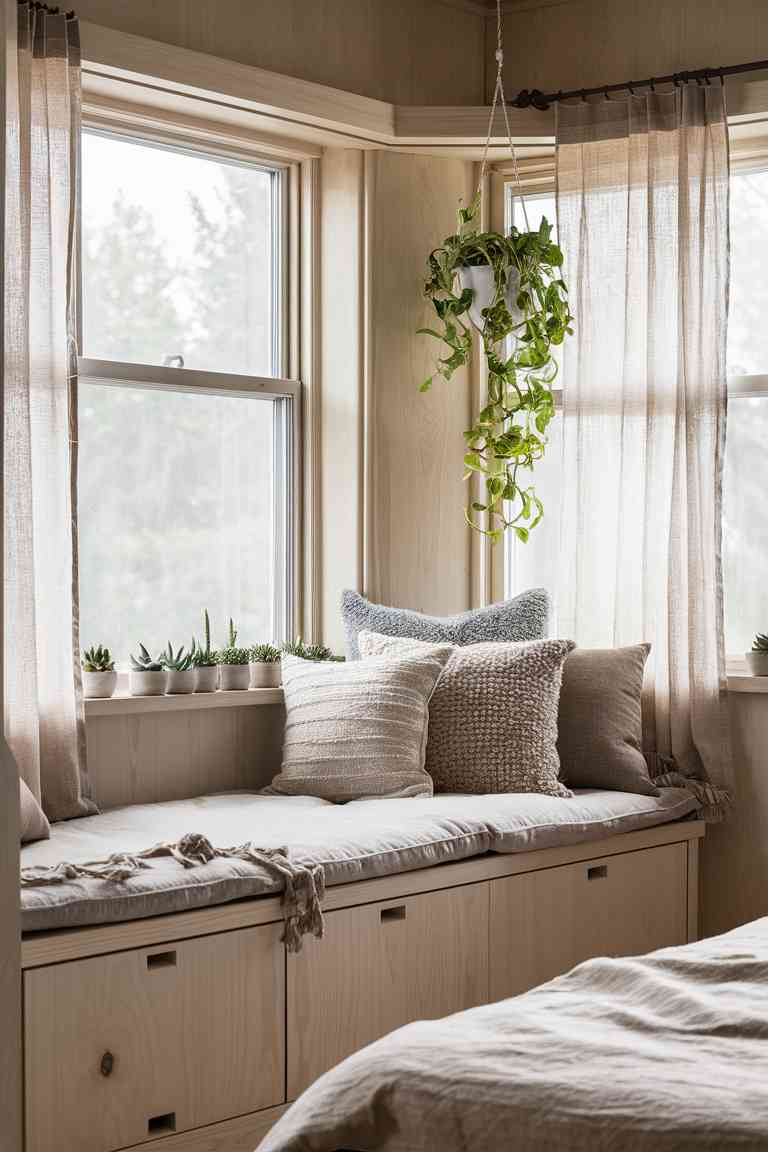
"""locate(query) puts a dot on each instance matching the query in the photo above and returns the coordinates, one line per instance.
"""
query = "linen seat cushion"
(493, 715)
(524, 617)
(600, 732)
(356, 841)
(360, 729)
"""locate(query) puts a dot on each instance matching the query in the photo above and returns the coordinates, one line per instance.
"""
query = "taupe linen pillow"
(600, 721)
(493, 715)
(358, 729)
(33, 822)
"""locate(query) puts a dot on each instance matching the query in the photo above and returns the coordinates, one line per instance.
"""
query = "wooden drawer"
(543, 923)
(380, 966)
(127, 1047)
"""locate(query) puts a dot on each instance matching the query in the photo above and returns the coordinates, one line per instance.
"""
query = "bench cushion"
(356, 841)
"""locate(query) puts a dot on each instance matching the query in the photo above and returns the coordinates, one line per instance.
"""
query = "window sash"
(286, 395)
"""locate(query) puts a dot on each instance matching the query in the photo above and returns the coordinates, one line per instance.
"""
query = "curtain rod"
(541, 101)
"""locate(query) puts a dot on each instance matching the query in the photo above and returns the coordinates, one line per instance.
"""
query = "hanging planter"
(511, 289)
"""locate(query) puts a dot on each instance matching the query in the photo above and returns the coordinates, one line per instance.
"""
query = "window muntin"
(186, 476)
(181, 255)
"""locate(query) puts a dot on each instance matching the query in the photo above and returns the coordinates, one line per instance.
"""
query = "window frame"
(285, 392)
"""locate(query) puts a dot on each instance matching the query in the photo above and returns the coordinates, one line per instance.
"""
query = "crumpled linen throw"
(304, 887)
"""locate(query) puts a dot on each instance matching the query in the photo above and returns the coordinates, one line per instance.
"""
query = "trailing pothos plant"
(509, 434)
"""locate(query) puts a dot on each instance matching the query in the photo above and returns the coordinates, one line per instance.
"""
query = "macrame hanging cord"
(498, 95)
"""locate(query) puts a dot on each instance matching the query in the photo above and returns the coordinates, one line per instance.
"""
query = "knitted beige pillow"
(493, 715)
(358, 729)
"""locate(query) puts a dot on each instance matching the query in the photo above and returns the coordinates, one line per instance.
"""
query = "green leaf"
(425, 387)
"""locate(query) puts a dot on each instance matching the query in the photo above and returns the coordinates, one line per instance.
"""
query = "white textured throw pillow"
(493, 716)
(358, 729)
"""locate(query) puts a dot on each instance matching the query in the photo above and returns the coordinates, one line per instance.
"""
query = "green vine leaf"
(509, 433)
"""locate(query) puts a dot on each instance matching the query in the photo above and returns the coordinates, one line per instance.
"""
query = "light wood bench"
(191, 1032)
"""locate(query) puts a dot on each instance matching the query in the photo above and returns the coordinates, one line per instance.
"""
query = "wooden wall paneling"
(734, 861)
(341, 409)
(156, 756)
(394, 50)
(418, 542)
(583, 43)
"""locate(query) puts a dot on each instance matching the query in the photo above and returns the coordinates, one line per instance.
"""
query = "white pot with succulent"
(147, 676)
(234, 669)
(99, 676)
(205, 660)
(265, 666)
(757, 659)
(182, 676)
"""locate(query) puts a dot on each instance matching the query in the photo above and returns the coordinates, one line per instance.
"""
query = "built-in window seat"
(165, 1012)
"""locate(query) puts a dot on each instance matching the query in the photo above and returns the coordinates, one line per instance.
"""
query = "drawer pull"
(597, 872)
(107, 1064)
(157, 1125)
(161, 960)
(397, 913)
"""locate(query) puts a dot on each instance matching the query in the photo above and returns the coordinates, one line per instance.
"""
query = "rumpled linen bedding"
(355, 841)
(660, 1053)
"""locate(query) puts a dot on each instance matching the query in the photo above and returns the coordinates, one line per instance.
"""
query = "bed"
(659, 1053)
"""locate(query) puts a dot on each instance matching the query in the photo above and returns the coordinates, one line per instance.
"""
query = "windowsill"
(743, 682)
(124, 705)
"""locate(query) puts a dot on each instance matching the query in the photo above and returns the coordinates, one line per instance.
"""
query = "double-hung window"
(745, 495)
(745, 488)
(187, 426)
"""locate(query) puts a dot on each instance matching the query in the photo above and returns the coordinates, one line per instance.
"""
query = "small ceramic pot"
(757, 662)
(207, 678)
(234, 677)
(265, 675)
(147, 683)
(99, 685)
(481, 280)
(181, 682)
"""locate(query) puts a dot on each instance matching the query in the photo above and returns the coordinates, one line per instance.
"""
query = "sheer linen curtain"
(642, 203)
(45, 725)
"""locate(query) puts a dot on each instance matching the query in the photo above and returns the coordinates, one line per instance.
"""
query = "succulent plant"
(231, 654)
(760, 643)
(265, 654)
(202, 654)
(145, 663)
(180, 661)
(98, 659)
(297, 647)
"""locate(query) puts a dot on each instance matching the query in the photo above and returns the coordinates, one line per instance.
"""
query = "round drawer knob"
(107, 1064)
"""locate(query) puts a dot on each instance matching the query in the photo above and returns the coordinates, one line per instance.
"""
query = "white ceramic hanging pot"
(265, 675)
(234, 677)
(99, 685)
(480, 279)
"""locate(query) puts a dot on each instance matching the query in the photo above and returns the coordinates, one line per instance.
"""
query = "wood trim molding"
(309, 569)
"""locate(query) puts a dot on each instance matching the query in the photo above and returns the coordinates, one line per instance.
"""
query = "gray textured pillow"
(33, 822)
(492, 716)
(600, 721)
(522, 618)
(358, 730)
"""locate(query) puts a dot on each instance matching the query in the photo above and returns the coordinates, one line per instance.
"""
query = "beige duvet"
(662, 1053)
